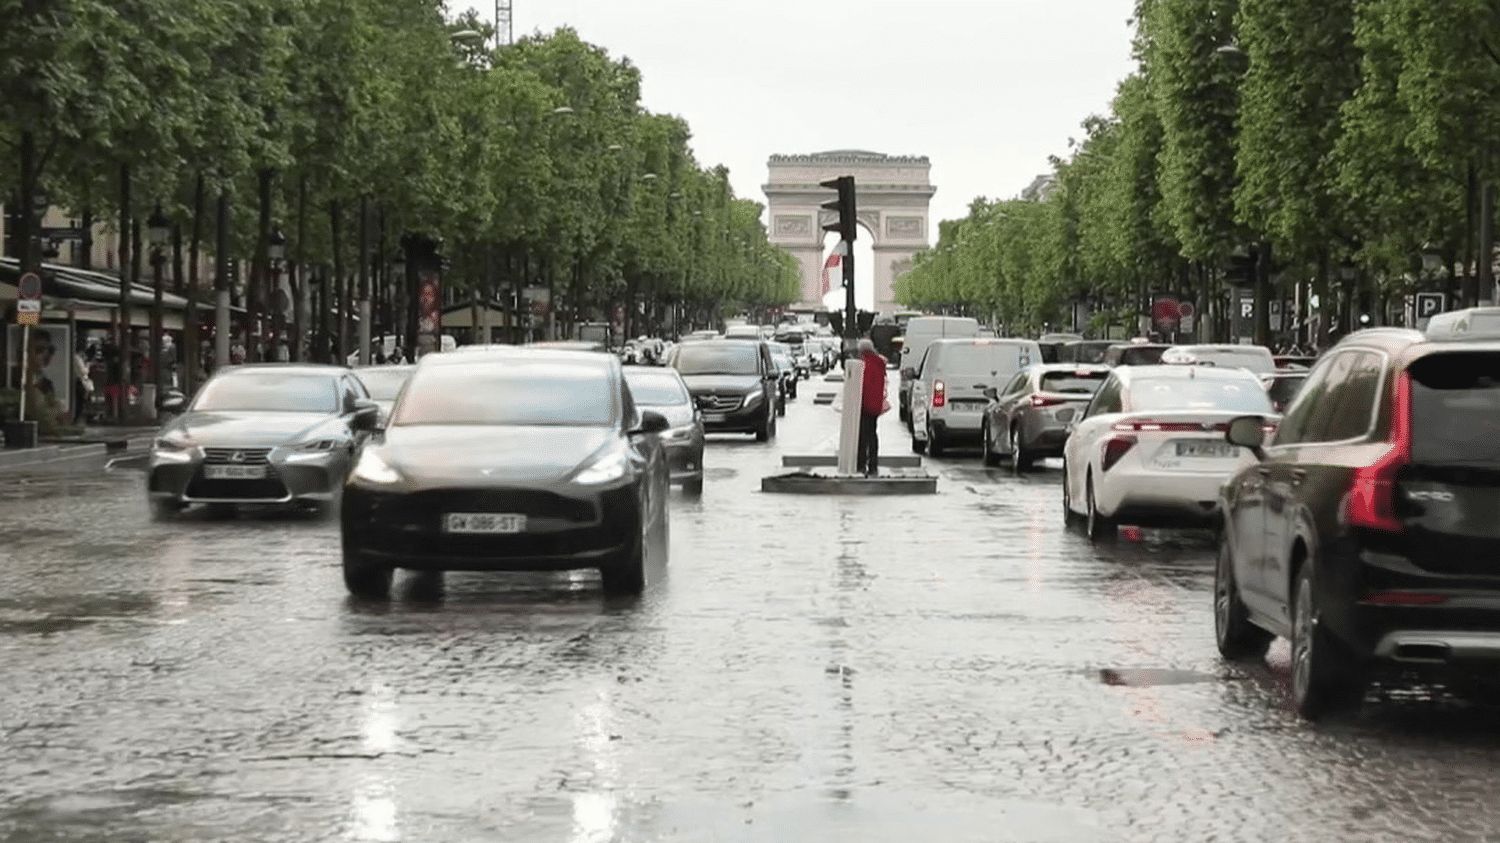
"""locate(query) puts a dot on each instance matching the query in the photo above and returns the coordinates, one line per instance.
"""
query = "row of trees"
(357, 125)
(1333, 156)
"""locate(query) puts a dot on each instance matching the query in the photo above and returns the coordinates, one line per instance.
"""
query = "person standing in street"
(872, 406)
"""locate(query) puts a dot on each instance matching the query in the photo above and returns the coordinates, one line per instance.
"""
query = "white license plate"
(1215, 450)
(713, 418)
(234, 472)
(484, 523)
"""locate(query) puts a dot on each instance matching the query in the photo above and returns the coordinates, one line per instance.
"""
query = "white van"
(947, 395)
(920, 332)
(1473, 321)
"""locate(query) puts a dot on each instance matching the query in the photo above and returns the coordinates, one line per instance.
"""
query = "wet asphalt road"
(956, 667)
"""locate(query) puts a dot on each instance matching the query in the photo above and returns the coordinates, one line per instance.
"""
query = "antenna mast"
(503, 23)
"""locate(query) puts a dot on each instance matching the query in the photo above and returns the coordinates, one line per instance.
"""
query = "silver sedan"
(1028, 419)
(273, 434)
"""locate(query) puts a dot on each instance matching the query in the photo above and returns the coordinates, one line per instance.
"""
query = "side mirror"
(1248, 432)
(991, 393)
(652, 422)
(366, 415)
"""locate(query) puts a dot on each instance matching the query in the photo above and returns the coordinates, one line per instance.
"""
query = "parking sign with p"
(1428, 306)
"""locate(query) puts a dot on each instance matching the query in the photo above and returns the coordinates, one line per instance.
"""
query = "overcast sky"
(986, 88)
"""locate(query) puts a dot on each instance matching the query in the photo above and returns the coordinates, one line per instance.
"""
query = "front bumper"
(742, 419)
(685, 458)
(565, 530)
(290, 475)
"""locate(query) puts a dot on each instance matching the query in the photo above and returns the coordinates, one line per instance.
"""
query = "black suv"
(734, 382)
(1369, 532)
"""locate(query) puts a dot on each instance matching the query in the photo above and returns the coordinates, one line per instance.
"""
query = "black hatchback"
(1369, 532)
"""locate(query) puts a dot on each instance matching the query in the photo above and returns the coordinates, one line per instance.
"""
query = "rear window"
(1086, 352)
(1141, 356)
(655, 390)
(1455, 409)
(1077, 383)
(1238, 396)
(1283, 390)
(980, 358)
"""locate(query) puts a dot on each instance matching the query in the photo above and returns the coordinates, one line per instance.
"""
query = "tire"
(1237, 637)
(991, 458)
(365, 578)
(1020, 459)
(1098, 527)
(1070, 518)
(693, 488)
(1323, 679)
(781, 407)
(935, 446)
(903, 415)
(918, 446)
(763, 434)
(626, 574)
(165, 509)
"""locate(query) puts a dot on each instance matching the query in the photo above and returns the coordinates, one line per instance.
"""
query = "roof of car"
(1219, 346)
(1182, 372)
(982, 341)
(1071, 367)
(286, 368)
(519, 352)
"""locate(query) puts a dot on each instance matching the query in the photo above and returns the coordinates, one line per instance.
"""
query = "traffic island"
(832, 461)
(895, 482)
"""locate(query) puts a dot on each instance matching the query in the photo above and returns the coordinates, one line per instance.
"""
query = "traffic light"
(865, 321)
(845, 227)
(836, 322)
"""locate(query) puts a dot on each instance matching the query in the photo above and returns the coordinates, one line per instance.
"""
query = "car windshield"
(721, 358)
(1141, 355)
(1231, 395)
(268, 391)
(1079, 383)
(513, 392)
(656, 390)
(1455, 409)
(384, 384)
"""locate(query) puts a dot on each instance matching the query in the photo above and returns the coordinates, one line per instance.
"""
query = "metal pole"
(25, 368)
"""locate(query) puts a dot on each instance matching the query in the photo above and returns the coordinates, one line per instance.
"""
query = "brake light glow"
(1115, 447)
(1045, 401)
(1404, 598)
(1371, 501)
(939, 394)
(1148, 426)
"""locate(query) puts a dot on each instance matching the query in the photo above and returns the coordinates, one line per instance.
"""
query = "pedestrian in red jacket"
(872, 406)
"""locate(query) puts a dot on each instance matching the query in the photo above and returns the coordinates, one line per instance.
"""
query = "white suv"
(948, 388)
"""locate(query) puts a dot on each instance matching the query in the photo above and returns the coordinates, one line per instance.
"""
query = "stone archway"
(894, 195)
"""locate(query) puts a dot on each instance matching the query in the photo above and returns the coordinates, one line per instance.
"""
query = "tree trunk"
(190, 342)
(363, 341)
(158, 319)
(259, 293)
(323, 288)
(336, 283)
(298, 279)
(127, 356)
(1458, 288)
(28, 258)
(223, 330)
(1485, 283)
(86, 244)
(1263, 295)
(178, 275)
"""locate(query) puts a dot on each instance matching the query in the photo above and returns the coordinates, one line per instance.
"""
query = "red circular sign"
(1166, 310)
(1186, 310)
(29, 286)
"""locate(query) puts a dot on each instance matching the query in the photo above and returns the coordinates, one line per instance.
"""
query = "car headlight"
(753, 397)
(678, 434)
(607, 468)
(319, 445)
(371, 468)
(174, 440)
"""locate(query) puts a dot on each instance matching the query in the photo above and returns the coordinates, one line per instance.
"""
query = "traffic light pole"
(847, 227)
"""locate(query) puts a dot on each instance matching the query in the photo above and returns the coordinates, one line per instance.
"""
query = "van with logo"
(948, 394)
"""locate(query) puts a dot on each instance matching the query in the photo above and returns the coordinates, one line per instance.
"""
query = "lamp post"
(276, 254)
(158, 228)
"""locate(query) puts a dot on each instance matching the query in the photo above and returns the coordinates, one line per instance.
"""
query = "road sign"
(1166, 314)
(1186, 309)
(68, 233)
(1430, 304)
(29, 299)
(30, 286)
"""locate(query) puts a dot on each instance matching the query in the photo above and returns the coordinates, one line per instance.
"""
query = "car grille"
(237, 456)
(718, 403)
(427, 508)
(269, 489)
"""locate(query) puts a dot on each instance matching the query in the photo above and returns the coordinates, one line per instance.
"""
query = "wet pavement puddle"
(1151, 677)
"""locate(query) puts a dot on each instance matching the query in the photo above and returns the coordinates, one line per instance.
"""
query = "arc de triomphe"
(894, 193)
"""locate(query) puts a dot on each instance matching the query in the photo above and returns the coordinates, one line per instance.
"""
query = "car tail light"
(1115, 447)
(1045, 401)
(1148, 426)
(939, 393)
(1371, 502)
(1404, 598)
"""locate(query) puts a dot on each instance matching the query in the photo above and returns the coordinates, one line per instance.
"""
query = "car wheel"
(626, 575)
(781, 407)
(763, 433)
(1070, 518)
(1322, 681)
(1236, 636)
(165, 509)
(935, 446)
(1020, 458)
(364, 577)
(991, 458)
(903, 414)
(1098, 527)
(918, 446)
(693, 487)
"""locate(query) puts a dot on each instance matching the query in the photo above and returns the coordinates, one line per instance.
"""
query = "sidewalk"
(93, 442)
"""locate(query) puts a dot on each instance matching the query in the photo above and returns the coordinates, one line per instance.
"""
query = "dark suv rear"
(1369, 533)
